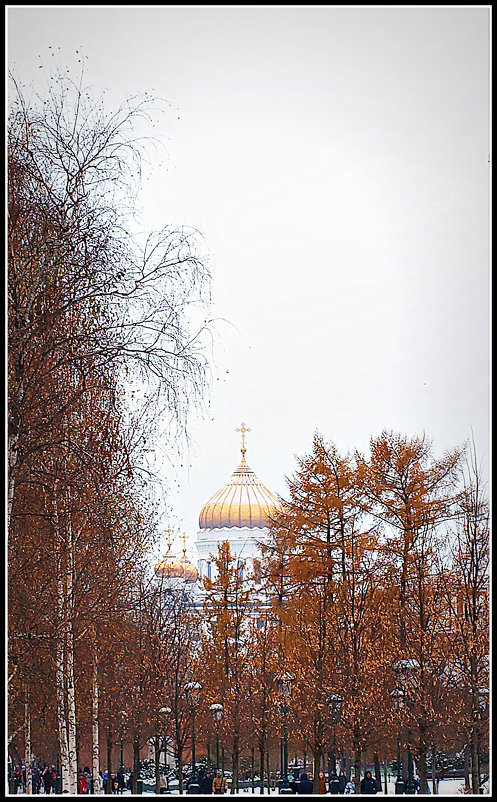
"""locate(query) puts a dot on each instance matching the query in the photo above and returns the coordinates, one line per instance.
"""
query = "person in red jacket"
(82, 784)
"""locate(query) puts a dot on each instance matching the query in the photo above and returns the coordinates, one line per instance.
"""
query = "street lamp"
(192, 691)
(123, 716)
(482, 704)
(284, 682)
(335, 707)
(406, 671)
(165, 711)
(398, 699)
(217, 713)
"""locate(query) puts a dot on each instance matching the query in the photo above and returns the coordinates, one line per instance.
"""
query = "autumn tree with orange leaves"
(412, 495)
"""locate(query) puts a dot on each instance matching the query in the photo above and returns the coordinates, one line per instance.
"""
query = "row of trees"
(375, 591)
(105, 340)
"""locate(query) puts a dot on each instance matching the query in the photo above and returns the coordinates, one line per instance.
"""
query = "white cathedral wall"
(244, 546)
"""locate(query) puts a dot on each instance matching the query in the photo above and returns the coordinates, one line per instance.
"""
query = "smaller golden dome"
(169, 567)
(190, 573)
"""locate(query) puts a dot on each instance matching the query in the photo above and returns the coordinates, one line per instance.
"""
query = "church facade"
(237, 513)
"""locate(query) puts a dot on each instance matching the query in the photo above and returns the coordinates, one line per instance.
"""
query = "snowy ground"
(446, 788)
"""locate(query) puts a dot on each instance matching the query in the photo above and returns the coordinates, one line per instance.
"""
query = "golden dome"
(190, 573)
(243, 502)
(170, 567)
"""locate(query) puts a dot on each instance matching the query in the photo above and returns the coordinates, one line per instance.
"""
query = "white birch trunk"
(70, 679)
(60, 689)
(27, 750)
(95, 744)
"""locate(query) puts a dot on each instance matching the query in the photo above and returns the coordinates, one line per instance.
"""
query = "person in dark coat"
(305, 785)
(206, 783)
(36, 779)
(368, 784)
(121, 783)
(342, 779)
(47, 779)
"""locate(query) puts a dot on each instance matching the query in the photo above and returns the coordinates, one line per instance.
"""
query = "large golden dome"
(244, 501)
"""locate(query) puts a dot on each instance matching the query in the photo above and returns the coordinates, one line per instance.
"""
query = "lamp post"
(217, 713)
(406, 671)
(482, 704)
(123, 716)
(192, 691)
(284, 682)
(165, 711)
(335, 707)
(398, 698)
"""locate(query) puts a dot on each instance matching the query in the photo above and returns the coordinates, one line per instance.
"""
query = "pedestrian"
(47, 779)
(305, 784)
(219, 783)
(104, 780)
(206, 783)
(368, 784)
(130, 782)
(322, 783)
(121, 782)
(17, 779)
(36, 775)
(83, 783)
(350, 787)
(342, 782)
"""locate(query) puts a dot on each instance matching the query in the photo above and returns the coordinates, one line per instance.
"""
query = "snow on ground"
(446, 788)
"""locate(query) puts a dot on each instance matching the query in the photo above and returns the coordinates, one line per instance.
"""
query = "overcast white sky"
(336, 160)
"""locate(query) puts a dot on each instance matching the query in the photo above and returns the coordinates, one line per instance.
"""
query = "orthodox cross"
(243, 430)
(169, 533)
(184, 545)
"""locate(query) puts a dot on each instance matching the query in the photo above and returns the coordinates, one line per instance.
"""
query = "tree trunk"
(385, 774)
(357, 767)
(136, 760)
(377, 771)
(317, 769)
(261, 762)
(27, 749)
(423, 748)
(434, 769)
(466, 768)
(180, 767)
(109, 759)
(157, 763)
(236, 762)
(70, 679)
(475, 780)
(95, 745)
(60, 689)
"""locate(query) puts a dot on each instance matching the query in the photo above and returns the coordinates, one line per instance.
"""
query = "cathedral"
(238, 513)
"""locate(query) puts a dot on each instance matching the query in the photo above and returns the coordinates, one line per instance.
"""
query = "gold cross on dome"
(243, 430)
(184, 545)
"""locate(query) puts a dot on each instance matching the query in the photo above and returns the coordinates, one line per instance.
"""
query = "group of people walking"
(336, 784)
(43, 779)
(212, 782)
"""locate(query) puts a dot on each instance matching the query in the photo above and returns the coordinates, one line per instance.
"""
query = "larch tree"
(412, 494)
